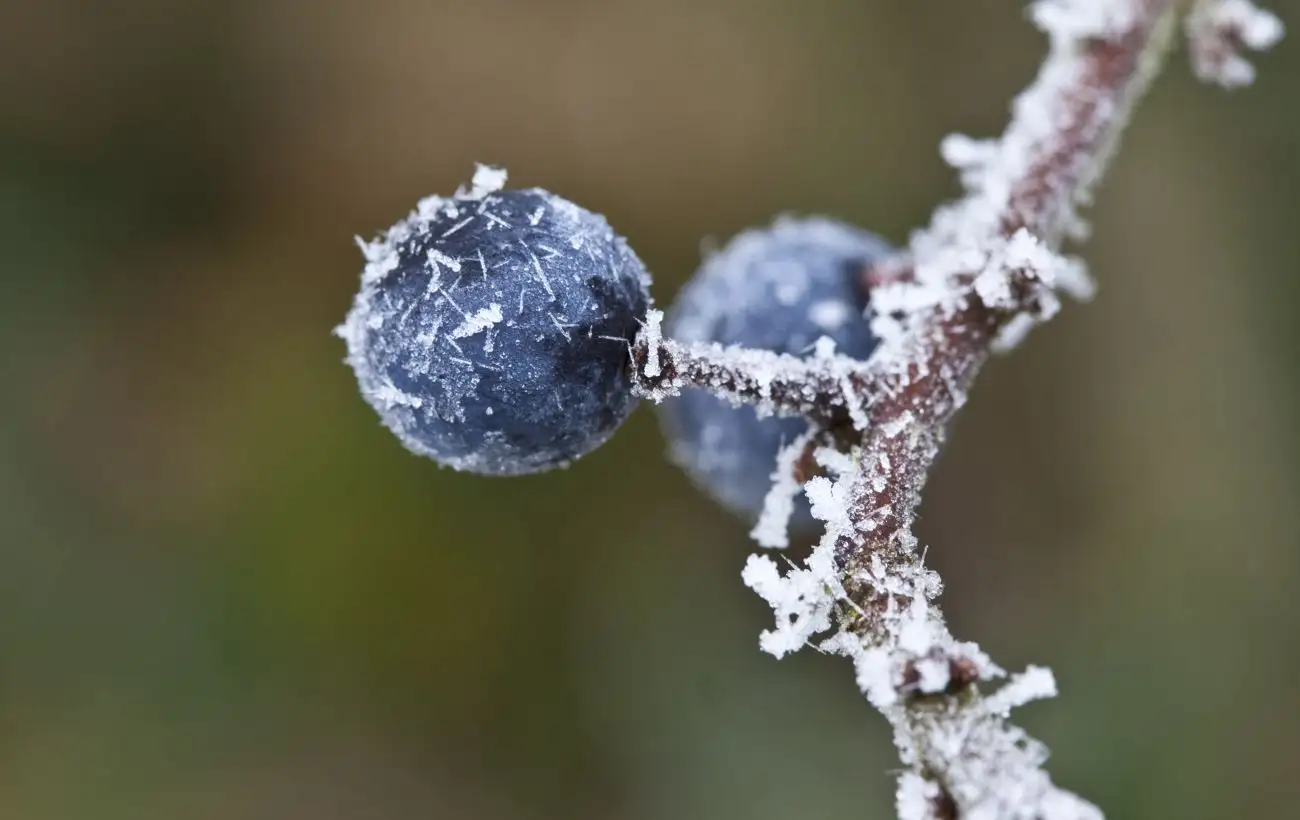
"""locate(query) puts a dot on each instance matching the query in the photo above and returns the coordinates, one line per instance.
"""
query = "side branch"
(831, 390)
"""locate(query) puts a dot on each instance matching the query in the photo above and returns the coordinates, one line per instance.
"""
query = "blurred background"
(227, 592)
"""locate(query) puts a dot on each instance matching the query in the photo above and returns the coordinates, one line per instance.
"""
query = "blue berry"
(779, 288)
(492, 328)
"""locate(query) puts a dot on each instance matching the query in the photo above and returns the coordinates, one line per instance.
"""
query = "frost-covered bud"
(492, 328)
(779, 288)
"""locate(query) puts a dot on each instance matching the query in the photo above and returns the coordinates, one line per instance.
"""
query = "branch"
(986, 270)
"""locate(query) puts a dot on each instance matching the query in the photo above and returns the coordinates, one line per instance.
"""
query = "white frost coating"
(1217, 31)
(834, 462)
(437, 258)
(773, 527)
(993, 286)
(918, 635)
(915, 797)
(1035, 683)
(654, 337)
(804, 598)
(1259, 29)
(482, 320)
(799, 599)
(487, 179)
(388, 393)
(1072, 20)
(933, 675)
(874, 673)
(761, 369)
(1014, 332)
(828, 503)
(824, 349)
(379, 260)
(1026, 258)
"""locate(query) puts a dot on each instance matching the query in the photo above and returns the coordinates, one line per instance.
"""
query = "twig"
(985, 270)
(1219, 30)
(827, 388)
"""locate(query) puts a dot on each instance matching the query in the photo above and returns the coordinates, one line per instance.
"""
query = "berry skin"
(778, 288)
(492, 328)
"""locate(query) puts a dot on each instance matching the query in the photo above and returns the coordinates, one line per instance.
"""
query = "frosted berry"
(492, 327)
(778, 288)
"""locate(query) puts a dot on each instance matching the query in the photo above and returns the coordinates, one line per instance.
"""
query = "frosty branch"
(985, 270)
(824, 388)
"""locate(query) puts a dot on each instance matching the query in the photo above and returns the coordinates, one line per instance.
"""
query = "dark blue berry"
(779, 288)
(492, 328)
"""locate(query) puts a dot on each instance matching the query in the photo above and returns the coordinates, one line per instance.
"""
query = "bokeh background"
(227, 592)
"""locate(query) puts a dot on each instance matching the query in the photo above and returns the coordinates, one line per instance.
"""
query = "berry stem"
(826, 388)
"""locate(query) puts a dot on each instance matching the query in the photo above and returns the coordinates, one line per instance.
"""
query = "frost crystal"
(799, 599)
(1217, 31)
(487, 179)
(481, 320)
(1068, 21)
(916, 797)
(772, 529)
(654, 337)
(1035, 683)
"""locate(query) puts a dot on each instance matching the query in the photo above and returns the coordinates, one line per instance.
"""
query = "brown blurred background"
(227, 592)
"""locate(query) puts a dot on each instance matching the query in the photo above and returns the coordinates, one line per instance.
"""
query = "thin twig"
(827, 388)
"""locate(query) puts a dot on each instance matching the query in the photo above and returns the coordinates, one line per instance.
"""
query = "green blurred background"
(227, 592)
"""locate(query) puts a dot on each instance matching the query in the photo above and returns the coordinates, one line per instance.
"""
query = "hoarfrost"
(828, 503)
(487, 179)
(773, 527)
(483, 319)
(1217, 31)
(874, 674)
(1035, 683)
(834, 462)
(799, 600)
(654, 336)
(915, 797)
(388, 393)
(437, 257)
(1014, 332)
(933, 675)
(1070, 21)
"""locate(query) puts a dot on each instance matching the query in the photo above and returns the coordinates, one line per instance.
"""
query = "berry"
(492, 328)
(779, 288)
